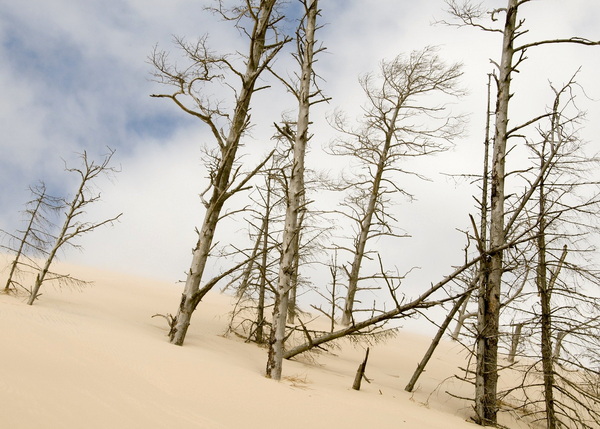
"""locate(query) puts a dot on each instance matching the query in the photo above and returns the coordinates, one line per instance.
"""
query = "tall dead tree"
(563, 212)
(512, 55)
(400, 123)
(258, 21)
(305, 94)
(73, 226)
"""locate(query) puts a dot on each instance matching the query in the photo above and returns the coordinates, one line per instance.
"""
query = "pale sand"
(96, 359)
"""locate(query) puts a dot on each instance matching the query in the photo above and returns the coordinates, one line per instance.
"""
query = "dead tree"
(35, 239)
(73, 226)
(255, 286)
(258, 21)
(565, 198)
(481, 233)
(512, 55)
(384, 140)
(332, 297)
(306, 97)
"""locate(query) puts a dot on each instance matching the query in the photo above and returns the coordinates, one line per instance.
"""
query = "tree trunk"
(262, 285)
(434, 343)
(486, 380)
(294, 201)
(63, 236)
(514, 344)
(460, 319)
(23, 242)
(292, 305)
(367, 220)
(558, 345)
(192, 293)
(360, 372)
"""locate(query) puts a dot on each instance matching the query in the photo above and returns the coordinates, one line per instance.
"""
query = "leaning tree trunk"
(434, 343)
(24, 240)
(486, 380)
(192, 293)
(63, 236)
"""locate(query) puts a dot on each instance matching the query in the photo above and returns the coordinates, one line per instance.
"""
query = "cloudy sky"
(74, 77)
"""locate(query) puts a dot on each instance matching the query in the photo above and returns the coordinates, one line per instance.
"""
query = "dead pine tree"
(258, 21)
(386, 137)
(306, 96)
(36, 237)
(73, 226)
(254, 287)
(563, 213)
(512, 55)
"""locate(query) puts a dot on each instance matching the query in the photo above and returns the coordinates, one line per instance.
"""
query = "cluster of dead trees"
(528, 262)
(51, 224)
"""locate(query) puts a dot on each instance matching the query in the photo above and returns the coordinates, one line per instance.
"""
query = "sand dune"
(97, 359)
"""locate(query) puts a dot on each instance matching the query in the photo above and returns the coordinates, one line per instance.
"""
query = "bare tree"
(35, 239)
(399, 123)
(306, 96)
(563, 214)
(512, 55)
(73, 227)
(258, 21)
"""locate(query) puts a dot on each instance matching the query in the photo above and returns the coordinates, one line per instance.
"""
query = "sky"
(75, 77)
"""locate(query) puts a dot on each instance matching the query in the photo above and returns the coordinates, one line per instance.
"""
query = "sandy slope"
(96, 359)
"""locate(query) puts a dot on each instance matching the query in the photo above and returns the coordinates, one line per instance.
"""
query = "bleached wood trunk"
(192, 293)
(294, 201)
(486, 379)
